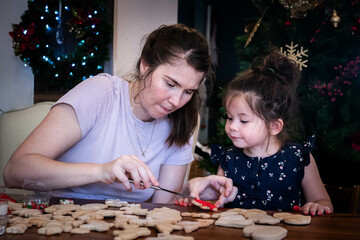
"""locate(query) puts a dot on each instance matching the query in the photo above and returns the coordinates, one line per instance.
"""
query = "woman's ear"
(276, 126)
(143, 67)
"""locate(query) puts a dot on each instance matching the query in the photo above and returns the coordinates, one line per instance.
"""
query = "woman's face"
(167, 89)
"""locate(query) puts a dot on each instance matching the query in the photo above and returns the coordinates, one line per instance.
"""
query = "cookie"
(79, 231)
(116, 203)
(99, 226)
(204, 205)
(92, 206)
(260, 232)
(131, 233)
(223, 214)
(162, 236)
(236, 221)
(261, 219)
(164, 227)
(189, 226)
(297, 219)
(281, 215)
(18, 228)
(164, 214)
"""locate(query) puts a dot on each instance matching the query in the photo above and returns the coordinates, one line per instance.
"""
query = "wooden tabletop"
(333, 226)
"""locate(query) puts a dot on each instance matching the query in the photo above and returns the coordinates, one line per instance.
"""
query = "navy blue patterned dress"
(270, 183)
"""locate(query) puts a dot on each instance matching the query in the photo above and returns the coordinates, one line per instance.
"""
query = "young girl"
(270, 172)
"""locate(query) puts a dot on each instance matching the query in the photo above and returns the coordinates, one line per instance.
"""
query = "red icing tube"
(207, 204)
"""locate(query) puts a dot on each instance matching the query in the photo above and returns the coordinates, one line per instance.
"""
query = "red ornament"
(34, 205)
(287, 23)
(23, 38)
(355, 141)
(82, 17)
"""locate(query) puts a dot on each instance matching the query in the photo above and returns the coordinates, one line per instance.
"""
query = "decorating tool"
(164, 189)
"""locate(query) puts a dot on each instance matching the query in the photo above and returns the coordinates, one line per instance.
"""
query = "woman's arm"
(170, 177)
(34, 160)
(316, 196)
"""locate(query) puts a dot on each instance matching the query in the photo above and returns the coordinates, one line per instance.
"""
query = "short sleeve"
(308, 146)
(218, 156)
(90, 99)
(180, 156)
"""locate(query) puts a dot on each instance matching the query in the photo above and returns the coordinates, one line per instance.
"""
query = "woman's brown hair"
(165, 45)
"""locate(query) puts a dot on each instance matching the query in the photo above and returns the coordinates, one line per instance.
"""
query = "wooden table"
(334, 226)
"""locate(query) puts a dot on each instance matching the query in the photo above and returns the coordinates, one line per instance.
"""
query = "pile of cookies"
(130, 221)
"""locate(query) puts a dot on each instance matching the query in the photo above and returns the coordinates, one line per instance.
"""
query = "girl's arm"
(316, 196)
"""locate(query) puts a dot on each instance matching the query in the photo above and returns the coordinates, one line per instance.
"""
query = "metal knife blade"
(164, 189)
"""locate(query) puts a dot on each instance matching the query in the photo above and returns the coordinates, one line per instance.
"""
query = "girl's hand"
(313, 209)
(209, 188)
(125, 167)
(179, 200)
(223, 199)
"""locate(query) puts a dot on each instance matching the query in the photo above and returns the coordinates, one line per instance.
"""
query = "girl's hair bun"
(275, 63)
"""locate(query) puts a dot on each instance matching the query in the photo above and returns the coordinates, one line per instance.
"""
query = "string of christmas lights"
(63, 52)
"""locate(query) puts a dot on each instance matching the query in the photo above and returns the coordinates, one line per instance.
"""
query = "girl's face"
(244, 128)
(167, 89)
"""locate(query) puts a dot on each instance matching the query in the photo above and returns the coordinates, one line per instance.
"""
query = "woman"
(107, 130)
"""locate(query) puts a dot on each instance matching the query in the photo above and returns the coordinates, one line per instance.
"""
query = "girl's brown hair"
(269, 87)
(166, 45)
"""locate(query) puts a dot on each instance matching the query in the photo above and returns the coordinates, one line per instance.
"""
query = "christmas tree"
(323, 38)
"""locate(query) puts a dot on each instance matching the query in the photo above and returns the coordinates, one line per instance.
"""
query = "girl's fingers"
(327, 210)
(186, 202)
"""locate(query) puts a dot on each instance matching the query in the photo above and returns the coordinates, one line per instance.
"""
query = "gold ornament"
(251, 35)
(298, 8)
(297, 56)
(335, 19)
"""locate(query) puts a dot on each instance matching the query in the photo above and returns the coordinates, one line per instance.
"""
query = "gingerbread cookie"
(260, 232)
(297, 219)
(92, 206)
(261, 218)
(162, 236)
(189, 226)
(18, 228)
(79, 231)
(236, 221)
(204, 205)
(99, 226)
(116, 203)
(164, 214)
(131, 233)
(281, 215)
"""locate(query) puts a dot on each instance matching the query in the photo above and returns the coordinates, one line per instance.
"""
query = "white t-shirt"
(104, 113)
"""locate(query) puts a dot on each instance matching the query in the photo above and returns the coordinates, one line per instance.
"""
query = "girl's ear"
(276, 126)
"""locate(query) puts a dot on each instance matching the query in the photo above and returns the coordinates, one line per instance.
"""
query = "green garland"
(64, 42)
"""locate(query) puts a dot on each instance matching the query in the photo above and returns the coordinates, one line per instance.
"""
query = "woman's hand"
(126, 167)
(316, 208)
(212, 187)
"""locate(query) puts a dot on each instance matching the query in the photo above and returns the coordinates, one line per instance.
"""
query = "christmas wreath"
(64, 42)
